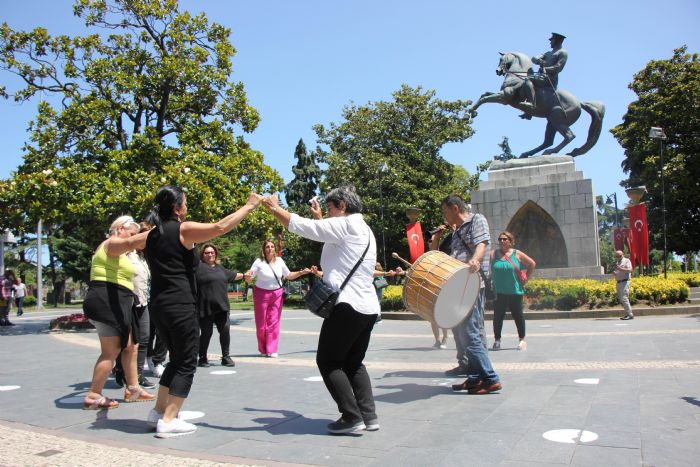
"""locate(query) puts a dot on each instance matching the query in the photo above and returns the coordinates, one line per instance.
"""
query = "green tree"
(307, 174)
(405, 133)
(144, 100)
(668, 96)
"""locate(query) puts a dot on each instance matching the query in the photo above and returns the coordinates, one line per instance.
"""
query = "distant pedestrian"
(20, 292)
(506, 267)
(8, 281)
(623, 276)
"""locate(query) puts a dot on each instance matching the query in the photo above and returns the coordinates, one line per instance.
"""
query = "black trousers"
(156, 350)
(206, 328)
(178, 327)
(142, 317)
(511, 302)
(342, 345)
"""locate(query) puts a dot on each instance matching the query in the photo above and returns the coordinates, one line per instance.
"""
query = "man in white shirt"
(623, 275)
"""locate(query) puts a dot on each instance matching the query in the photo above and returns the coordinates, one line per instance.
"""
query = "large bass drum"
(440, 288)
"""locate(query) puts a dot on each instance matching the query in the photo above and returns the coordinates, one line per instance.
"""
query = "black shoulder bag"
(489, 293)
(321, 297)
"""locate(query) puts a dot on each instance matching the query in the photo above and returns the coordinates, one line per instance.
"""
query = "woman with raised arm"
(108, 306)
(347, 241)
(172, 259)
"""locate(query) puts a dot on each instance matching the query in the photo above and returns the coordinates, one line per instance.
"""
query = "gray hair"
(456, 200)
(346, 193)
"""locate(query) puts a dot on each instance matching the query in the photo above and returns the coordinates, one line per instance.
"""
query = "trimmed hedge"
(568, 294)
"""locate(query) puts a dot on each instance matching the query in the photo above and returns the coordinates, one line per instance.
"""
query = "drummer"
(471, 245)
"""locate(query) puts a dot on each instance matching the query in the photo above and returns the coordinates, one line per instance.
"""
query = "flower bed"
(74, 321)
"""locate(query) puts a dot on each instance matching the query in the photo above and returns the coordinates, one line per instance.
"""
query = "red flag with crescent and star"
(640, 233)
(416, 244)
(628, 242)
(619, 238)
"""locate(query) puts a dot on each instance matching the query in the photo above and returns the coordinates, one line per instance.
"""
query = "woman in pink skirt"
(269, 273)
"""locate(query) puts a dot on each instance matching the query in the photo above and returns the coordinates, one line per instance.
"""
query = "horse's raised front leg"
(488, 98)
(549, 133)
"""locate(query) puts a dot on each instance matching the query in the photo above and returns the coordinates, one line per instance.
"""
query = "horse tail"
(597, 111)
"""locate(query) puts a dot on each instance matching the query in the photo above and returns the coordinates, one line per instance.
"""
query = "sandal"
(137, 394)
(101, 403)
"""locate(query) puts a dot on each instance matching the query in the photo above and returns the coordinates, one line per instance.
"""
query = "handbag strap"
(357, 265)
(275, 274)
(517, 269)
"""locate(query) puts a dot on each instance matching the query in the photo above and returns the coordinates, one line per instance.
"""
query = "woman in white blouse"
(346, 332)
(269, 272)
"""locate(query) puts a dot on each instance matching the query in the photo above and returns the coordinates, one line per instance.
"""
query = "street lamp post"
(656, 132)
(608, 199)
(384, 168)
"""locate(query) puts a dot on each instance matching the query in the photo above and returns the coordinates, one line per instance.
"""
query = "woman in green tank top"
(506, 266)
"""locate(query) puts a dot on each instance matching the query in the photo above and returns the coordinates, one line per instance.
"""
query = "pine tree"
(306, 179)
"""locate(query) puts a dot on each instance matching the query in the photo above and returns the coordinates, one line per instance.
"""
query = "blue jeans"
(469, 331)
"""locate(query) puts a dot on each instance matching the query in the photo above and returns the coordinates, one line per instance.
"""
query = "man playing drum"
(471, 245)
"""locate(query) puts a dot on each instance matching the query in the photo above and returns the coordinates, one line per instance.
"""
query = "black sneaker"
(203, 363)
(625, 318)
(456, 371)
(145, 383)
(341, 426)
(7, 323)
(227, 361)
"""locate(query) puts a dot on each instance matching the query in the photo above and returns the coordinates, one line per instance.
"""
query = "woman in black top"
(171, 258)
(212, 303)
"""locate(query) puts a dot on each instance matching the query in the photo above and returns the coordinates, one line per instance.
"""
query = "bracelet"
(273, 209)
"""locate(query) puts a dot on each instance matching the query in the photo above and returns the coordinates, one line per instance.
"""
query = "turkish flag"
(416, 245)
(640, 232)
(619, 239)
(628, 242)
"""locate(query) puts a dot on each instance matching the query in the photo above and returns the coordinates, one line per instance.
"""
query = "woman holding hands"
(172, 260)
(345, 334)
(269, 271)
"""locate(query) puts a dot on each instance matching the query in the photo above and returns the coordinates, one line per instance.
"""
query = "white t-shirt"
(20, 290)
(262, 271)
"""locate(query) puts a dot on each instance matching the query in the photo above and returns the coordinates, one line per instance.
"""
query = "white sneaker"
(174, 428)
(443, 346)
(274, 355)
(153, 417)
(496, 345)
(158, 370)
(436, 345)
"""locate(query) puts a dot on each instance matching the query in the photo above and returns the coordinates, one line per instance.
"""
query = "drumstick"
(396, 255)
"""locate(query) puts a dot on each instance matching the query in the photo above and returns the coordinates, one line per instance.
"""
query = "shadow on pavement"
(410, 392)
(287, 423)
(692, 400)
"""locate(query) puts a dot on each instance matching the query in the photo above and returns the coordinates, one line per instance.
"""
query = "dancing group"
(178, 310)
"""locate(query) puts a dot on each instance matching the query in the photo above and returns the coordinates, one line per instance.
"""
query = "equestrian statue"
(537, 94)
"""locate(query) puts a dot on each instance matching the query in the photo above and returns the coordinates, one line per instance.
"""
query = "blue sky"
(302, 61)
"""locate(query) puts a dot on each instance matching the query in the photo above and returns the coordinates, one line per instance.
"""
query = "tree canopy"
(145, 99)
(407, 134)
(668, 96)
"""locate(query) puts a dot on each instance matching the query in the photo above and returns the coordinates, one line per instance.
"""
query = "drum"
(440, 288)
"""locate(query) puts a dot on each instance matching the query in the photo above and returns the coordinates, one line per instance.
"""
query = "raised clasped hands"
(271, 202)
(254, 199)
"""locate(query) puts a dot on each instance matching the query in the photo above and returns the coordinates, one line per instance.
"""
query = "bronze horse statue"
(560, 108)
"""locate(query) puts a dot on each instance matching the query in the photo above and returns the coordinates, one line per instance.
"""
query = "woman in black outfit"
(172, 260)
(212, 303)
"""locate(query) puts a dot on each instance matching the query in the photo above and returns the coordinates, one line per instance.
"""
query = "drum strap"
(469, 232)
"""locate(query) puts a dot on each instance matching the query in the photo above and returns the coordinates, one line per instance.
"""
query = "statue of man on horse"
(538, 95)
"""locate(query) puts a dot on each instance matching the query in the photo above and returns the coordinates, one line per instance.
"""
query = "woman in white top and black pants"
(346, 332)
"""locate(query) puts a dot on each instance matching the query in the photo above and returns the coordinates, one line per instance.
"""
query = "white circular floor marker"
(186, 415)
(587, 380)
(621, 324)
(314, 378)
(223, 372)
(545, 325)
(9, 388)
(570, 436)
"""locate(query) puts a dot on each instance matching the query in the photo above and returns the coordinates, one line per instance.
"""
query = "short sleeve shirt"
(473, 231)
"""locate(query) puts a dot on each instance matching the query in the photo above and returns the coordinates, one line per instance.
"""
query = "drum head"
(456, 298)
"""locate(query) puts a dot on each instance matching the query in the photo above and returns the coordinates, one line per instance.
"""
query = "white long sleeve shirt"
(344, 240)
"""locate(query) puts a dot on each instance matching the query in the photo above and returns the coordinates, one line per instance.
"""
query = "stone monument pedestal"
(550, 209)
